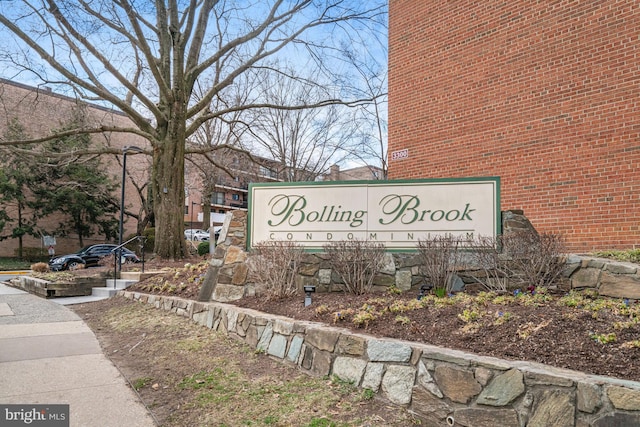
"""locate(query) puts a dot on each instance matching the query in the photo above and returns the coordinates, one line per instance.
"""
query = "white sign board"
(400, 154)
(396, 213)
(48, 240)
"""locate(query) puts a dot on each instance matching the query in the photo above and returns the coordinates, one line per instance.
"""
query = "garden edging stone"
(455, 386)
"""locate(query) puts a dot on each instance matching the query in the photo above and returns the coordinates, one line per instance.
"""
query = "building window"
(235, 197)
(186, 209)
(264, 171)
(217, 198)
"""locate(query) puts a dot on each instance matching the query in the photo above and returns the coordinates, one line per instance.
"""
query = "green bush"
(203, 248)
(150, 243)
(32, 254)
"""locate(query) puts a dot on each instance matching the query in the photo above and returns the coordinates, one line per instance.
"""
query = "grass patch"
(631, 255)
(190, 375)
(140, 383)
(7, 264)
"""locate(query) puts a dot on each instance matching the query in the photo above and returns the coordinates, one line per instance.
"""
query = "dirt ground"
(518, 329)
(176, 364)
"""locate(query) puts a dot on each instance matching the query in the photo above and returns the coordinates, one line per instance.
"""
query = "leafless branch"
(275, 265)
(356, 262)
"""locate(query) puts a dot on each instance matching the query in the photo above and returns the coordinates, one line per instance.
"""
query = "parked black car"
(89, 256)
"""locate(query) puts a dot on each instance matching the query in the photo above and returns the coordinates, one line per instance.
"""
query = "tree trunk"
(168, 196)
(20, 227)
(206, 207)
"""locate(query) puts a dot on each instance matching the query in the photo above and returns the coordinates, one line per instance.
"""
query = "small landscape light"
(308, 290)
(423, 290)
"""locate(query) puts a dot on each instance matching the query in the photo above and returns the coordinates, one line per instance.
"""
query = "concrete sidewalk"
(48, 355)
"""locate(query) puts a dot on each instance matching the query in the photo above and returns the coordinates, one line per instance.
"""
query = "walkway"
(48, 355)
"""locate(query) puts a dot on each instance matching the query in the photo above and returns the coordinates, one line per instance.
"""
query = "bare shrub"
(440, 256)
(107, 260)
(356, 262)
(40, 267)
(275, 265)
(488, 263)
(533, 258)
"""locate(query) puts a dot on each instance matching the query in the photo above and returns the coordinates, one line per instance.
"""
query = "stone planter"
(47, 289)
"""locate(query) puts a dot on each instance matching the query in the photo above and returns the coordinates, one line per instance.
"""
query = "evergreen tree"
(77, 187)
(17, 177)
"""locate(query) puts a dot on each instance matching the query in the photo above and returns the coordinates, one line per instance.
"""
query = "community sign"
(396, 213)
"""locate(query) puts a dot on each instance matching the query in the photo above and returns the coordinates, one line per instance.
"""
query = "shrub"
(107, 260)
(275, 265)
(149, 235)
(30, 254)
(40, 267)
(356, 262)
(487, 261)
(532, 258)
(203, 248)
(440, 256)
(521, 258)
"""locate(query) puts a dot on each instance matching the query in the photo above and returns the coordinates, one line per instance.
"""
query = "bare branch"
(77, 131)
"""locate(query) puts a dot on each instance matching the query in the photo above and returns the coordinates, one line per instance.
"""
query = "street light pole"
(125, 151)
(191, 225)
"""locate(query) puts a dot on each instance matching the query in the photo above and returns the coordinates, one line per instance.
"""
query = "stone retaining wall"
(609, 278)
(440, 386)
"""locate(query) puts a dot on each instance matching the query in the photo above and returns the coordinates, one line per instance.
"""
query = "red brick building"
(545, 95)
(40, 110)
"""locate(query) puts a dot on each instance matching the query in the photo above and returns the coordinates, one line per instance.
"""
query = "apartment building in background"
(40, 110)
(358, 173)
(228, 188)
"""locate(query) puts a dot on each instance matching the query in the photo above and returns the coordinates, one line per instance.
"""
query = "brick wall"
(40, 110)
(543, 94)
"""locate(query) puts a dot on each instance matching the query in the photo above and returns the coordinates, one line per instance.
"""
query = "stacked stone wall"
(440, 386)
(229, 280)
(608, 278)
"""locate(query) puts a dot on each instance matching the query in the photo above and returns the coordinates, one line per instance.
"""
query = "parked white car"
(196, 234)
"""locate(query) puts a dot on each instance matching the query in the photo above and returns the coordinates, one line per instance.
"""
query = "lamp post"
(191, 224)
(125, 151)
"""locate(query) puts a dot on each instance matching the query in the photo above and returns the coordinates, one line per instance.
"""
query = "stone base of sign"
(227, 278)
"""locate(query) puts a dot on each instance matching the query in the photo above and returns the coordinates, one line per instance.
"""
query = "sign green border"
(494, 179)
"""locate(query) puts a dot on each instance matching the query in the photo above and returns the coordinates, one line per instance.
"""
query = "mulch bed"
(550, 334)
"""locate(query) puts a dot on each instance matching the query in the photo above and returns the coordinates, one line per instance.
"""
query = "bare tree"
(368, 79)
(305, 142)
(214, 148)
(146, 58)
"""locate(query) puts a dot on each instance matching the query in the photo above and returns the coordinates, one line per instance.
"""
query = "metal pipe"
(121, 225)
